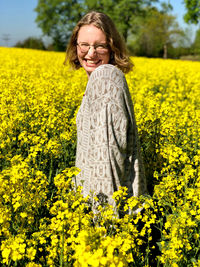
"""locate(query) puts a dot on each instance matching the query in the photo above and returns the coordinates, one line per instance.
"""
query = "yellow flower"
(23, 214)
(31, 252)
(6, 255)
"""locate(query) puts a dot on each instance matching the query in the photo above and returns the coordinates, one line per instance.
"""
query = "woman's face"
(92, 48)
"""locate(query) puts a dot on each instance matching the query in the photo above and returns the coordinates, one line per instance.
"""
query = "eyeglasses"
(99, 48)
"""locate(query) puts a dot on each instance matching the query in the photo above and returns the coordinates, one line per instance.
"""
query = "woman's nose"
(91, 51)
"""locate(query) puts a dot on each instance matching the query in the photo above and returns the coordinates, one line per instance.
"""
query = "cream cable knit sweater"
(108, 152)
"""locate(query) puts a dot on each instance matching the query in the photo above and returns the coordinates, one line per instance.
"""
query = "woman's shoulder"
(107, 82)
(107, 68)
(108, 72)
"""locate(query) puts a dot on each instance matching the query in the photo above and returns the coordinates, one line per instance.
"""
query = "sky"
(17, 20)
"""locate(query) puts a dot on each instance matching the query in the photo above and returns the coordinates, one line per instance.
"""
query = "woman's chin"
(91, 67)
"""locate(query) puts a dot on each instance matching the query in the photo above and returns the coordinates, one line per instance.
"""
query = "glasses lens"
(84, 47)
(101, 50)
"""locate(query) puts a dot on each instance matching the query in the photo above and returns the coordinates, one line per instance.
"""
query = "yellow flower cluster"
(44, 220)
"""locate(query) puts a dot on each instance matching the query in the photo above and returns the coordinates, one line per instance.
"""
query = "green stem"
(50, 170)
(62, 247)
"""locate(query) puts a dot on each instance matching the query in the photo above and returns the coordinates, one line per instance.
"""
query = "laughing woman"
(108, 151)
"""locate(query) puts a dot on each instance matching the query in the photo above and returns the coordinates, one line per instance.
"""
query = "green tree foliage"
(57, 18)
(196, 44)
(157, 33)
(31, 42)
(121, 11)
(193, 11)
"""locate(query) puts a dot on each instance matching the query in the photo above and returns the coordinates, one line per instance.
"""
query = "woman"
(107, 140)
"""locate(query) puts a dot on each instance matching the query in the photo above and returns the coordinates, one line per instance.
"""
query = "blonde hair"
(119, 55)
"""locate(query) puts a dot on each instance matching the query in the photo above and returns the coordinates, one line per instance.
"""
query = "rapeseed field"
(43, 221)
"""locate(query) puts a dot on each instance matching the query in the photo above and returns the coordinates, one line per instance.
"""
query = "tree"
(193, 11)
(157, 32)
(121, 11)
(31, 42)
(57, 18)
(196, 44)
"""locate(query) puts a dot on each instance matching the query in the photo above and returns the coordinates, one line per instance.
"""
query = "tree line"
(148, 30)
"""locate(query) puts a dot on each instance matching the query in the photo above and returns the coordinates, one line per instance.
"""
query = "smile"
(91, 62)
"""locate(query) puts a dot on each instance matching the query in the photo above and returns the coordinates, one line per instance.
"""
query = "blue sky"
(17, 20)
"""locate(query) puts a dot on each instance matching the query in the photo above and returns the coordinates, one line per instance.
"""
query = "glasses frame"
(95, 46)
